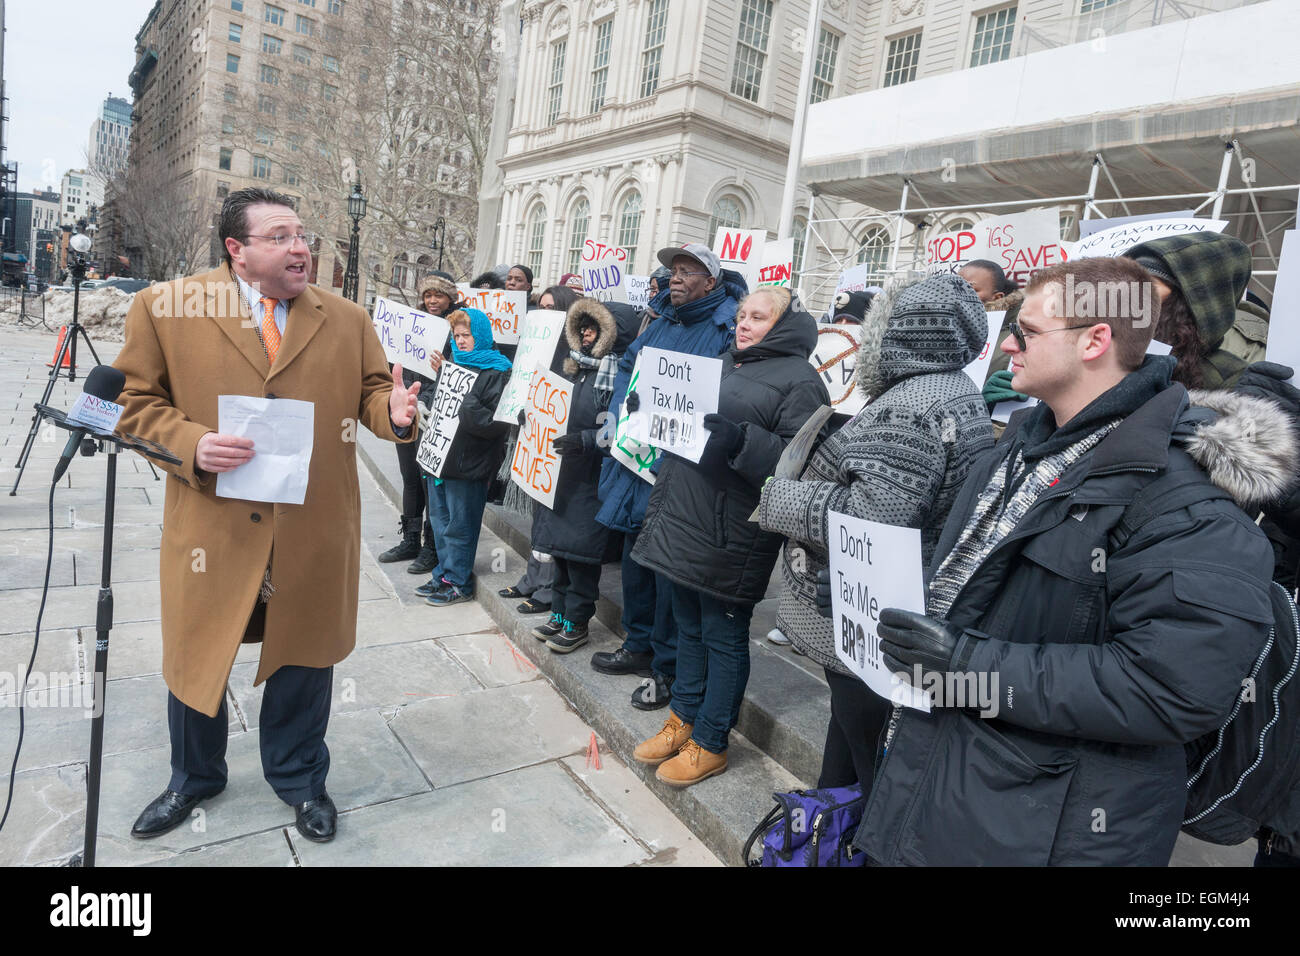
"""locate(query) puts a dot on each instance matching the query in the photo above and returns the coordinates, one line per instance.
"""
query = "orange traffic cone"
(67, 358)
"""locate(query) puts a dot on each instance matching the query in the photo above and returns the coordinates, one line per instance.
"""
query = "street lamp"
(439, 242)
(357, 211)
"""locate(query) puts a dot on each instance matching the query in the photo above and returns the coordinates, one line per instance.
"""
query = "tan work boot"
(665, 743)
(691, 765)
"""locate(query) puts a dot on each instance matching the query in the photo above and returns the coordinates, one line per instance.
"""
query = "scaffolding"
(819, 278)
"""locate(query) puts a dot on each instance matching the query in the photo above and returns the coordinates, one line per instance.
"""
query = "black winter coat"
(570, 530)
(1108, 657)
(697, 531)
(479, 446)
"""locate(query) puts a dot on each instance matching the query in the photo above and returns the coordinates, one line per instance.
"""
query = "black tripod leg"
(21, 463)
(103, 624)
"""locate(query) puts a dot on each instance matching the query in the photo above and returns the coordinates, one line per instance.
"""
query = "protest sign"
(505, 309)
(604, 271)
(1284, 330)
(454, 383)
(624, 447)
(1021, 244)
(638, 291)
(535, 466)
(777, 264)
(408, 335)
(1120, 239)
(742, 251)
(677, 390)
(855, 279)
(873, 566)
(539, 333)
(834, 358)
(1088, 226)
(978, 369)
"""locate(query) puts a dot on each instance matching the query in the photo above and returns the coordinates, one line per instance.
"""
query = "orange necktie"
(270, 332)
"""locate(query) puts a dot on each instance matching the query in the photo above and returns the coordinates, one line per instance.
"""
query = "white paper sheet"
(282, 433)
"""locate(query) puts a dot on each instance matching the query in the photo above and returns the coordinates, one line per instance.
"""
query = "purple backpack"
(810, 828)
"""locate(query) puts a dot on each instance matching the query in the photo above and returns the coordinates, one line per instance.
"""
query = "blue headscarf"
(483, 355)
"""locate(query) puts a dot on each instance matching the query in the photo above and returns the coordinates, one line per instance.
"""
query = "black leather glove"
(523, 418)
(1268, 380)
(908, 638)
(824, 592)
(632, 402)
(569, 444)
(726, 434)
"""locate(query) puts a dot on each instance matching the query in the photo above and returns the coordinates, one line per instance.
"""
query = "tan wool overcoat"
(188, 342)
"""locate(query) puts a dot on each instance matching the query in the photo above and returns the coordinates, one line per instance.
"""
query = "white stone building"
(651, 122)
(80, 190)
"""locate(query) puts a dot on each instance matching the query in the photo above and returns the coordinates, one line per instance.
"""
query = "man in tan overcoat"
(234, 570)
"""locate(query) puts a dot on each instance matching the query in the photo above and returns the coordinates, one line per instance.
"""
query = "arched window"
(800, 233)
(727, 214)
(629, 227)
(536, 237)
(579, 225)
(874, 248)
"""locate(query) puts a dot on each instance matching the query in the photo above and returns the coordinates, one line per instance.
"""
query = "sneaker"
(664, 744)
(622, 661)
(570, 639)
(449, 595)
(653, 692)
(544, 632)
(775, 636)
(691, 765)
(430, 587)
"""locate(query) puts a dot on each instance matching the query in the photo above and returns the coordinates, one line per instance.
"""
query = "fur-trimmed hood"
(588, 308)
(919, 326)
(1246, 445)
(1005, 303)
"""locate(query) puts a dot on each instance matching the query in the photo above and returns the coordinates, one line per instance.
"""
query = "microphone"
(96, 409)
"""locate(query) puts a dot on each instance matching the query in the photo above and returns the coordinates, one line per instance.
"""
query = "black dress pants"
(576, 587)
(858, 715)
(291, 732)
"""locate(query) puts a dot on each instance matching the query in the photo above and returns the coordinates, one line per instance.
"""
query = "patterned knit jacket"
(902, 459)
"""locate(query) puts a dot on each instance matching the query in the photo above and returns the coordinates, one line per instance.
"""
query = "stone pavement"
(447, 745)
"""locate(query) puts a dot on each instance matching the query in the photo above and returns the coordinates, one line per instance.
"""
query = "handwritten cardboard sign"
(741, 250)
(873, 566)
(505, 309)
(638, 290)
(1284, 330)
(636, 456)
(408, 335)
(604, 271)
(536, 467)
(1022, 244)
(835, 358)
(854, 279)
(538, 337)
(777, 265)
(677, 390)
(1120, 239)
(454, 383)
(978, 369)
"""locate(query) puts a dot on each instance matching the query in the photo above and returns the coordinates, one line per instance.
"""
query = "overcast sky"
(62, 57)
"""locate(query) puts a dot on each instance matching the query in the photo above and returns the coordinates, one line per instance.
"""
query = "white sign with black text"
(677, 390)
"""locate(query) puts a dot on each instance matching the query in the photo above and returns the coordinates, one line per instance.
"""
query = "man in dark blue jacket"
(697, 315)
(1097, 584)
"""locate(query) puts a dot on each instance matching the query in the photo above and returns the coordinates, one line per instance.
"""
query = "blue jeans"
(712, 664)
(456, 513)
(648, 613)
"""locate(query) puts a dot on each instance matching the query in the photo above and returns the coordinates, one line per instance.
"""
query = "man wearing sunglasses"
(1095, 575)
(233, 570)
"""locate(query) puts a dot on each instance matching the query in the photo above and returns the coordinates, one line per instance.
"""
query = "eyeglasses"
(307, 238)
(1021, 334)
(683, 273)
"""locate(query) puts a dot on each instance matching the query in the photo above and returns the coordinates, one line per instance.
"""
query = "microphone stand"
(111, 445)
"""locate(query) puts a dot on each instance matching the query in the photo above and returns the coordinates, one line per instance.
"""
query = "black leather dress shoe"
(317, 819)
(653, 692)
(621, 661)
(165, 813)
